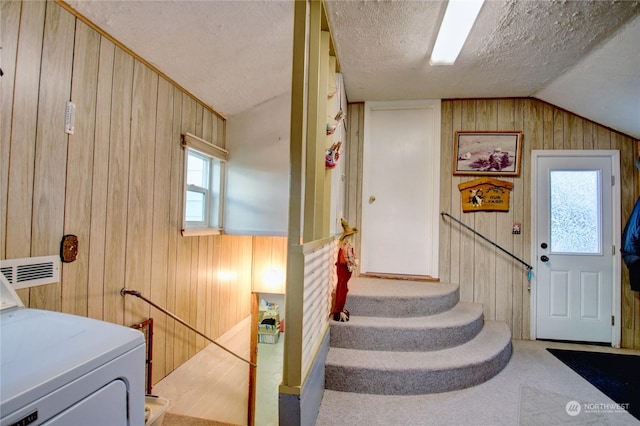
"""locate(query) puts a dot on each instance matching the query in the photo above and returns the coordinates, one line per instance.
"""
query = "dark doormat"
(615, 375)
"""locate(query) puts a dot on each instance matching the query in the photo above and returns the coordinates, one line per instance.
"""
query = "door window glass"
(575, 213)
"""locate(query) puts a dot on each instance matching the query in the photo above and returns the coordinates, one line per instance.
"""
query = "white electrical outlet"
(70, 118)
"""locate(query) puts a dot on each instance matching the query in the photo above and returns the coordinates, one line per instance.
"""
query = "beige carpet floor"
(171, 419)
(535, 388)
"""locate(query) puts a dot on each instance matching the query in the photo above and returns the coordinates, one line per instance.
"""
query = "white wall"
(338, 176)
(257, 190)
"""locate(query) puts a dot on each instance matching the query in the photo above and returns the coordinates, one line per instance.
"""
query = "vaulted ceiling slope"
(581, 55)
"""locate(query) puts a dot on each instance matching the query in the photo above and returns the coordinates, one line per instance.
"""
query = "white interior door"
(401, 188)
(577, 228)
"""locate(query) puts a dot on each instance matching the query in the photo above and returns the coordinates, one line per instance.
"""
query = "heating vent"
(31, 271)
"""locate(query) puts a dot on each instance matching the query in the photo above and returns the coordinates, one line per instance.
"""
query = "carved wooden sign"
(485, 194)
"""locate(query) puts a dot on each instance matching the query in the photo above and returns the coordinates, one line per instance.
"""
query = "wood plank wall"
(116, 183)
(486, 275)
(491, 278)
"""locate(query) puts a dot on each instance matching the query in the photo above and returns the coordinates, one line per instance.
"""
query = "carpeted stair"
(411, 338)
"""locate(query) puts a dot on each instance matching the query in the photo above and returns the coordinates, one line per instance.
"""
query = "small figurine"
(346, 264)
(332, 155)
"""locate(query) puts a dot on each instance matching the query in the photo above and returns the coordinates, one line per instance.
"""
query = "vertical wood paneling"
(518, 196)
(504, 221)
(261, 262)
(573, 132)
(201, 290)
(446, 166)
(354, 159)
(485, 224)
(80, 159)
(10, 13)
(222, 132)
(544, 127)
(224, 276)
(628, 197)
(160, 259)
(211, 325)
(51, 146)
(233, 281)
(244, 302)
(117, 183)
(118, 189)
(547, 123)
(99, 192)
(468, 290)
(175, 223)
(189, 246)
(140, 197)
(23, 134)
(558, 129)
(216, 286)
(603, 138)
(588, 129)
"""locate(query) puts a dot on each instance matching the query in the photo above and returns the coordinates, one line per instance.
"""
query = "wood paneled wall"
(484, 273)
(116, 183)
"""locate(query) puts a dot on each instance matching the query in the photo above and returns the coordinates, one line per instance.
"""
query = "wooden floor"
(214, 385)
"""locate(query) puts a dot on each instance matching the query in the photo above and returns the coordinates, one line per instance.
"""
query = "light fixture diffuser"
(454, 30)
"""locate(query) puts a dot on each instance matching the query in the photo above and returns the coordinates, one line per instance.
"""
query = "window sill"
(199, 232)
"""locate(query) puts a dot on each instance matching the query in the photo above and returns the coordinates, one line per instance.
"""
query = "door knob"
(544, 258)
(372, 199)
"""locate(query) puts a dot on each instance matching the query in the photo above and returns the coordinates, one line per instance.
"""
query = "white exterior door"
(576, 242)
(401, 167)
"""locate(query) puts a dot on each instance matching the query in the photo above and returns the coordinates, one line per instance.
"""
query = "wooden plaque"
(485, 194)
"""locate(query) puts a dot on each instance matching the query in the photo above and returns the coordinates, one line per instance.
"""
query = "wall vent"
(31, 271)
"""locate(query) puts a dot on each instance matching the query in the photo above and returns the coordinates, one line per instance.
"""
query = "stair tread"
(491, 340)
(378, 297)
(388, 288)
(462, 313)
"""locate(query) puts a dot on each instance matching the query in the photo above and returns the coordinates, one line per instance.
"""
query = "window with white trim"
(203, 186)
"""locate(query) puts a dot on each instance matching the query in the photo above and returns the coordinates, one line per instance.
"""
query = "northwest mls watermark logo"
(573, 408)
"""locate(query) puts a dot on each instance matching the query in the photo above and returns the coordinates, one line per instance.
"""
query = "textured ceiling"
(580, 55)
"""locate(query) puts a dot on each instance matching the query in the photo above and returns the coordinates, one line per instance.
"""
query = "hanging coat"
(631, 246)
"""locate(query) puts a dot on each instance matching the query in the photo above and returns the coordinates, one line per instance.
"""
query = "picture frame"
(487, 153)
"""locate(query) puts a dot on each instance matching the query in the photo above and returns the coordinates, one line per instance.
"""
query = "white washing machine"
(60, 369)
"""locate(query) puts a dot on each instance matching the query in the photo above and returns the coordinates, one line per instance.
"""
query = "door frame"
(617, 231)
(434, 225)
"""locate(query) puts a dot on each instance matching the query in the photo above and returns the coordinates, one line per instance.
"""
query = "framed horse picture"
(495, 153)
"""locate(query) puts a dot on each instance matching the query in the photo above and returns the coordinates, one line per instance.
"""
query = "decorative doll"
(345, 266)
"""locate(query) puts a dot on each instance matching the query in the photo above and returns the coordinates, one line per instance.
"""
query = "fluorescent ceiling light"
(454, 30)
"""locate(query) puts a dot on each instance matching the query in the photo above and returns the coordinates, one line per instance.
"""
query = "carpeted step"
(426, 333)
(414, 373)
(374, 297)
(171, 419)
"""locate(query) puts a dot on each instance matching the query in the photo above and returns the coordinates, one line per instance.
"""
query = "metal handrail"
(124, 292)
(529, 267)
